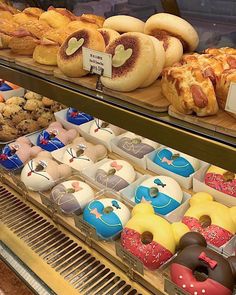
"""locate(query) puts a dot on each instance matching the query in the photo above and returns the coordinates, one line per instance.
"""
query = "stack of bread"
(199, 83)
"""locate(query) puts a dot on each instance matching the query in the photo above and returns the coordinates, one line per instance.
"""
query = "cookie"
(45, 119)
(33, 95)
(20, 116)
(7, 132)
(15, 100)
(27, 126)
(47, 102)
(10, 110)
(33, 104)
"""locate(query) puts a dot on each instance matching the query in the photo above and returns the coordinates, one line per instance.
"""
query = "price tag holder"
(231, 99)
(172, 289)
(86, 228)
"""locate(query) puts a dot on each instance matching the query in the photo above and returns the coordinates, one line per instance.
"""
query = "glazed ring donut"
(107, 216)
(70, 59)
(108, 35)
(162, 24)
(124, 24)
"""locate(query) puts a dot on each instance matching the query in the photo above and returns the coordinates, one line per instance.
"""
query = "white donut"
(124, 24)
(103, 130)
(78, 162)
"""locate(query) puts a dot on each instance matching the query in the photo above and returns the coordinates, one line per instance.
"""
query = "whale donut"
(108, 35)
(162, 24)
(72, 196)
(150, 237)
(70, 58)
(221, 180)
(133, 56)
(176, 162)
(215, 221)
(136, 145)
(78, 118)
(115, 174)
(199, 270)
(124, 24)
(107, 216)
(162, 192)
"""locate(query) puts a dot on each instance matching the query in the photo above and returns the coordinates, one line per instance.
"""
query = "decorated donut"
(115, 174)
(176, 162)
(72, 196)
(108, 35)
(162, 192)
(136, 145)
(221, 180)
(104, 131)
(150, 237)
(199, 270)
(215, 221)
(70, 59)
(107, 216)
(78, 118)
(124, 24)
(55, 137)
(133, 60)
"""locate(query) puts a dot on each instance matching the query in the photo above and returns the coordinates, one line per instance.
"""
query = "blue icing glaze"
(162, 203)
(107, 225)
(5, 87)
(47, 143)
(76, 117)
(8, 160)
(178, 165)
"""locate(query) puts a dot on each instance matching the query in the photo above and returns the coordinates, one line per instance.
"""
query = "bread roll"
(124, 24)
(108, 35)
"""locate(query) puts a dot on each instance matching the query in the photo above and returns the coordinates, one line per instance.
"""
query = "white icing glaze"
(105, 134)
(78, 163)
(132, 135)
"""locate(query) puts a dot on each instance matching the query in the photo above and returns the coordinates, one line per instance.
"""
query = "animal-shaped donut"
(199, 270)
(150, 237)
(115, 174)
(107, 216)
(136, 145)
(14, 155)
(78, 118)
(72, 196)
(55, 137)
(81, 153)
(176, 162)
(162, 192)
(215, 221)
(221, 180)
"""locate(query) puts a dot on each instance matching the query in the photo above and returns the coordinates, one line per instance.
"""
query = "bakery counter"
(208, 145)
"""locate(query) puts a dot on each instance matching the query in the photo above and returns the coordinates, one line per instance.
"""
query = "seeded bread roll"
(124, 24)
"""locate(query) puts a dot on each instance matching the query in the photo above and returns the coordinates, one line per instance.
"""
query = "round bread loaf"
(173, 50)
(108, 35)
(124, 24)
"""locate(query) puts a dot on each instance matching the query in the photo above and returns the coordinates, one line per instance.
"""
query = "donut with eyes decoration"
(78, 118)
(176, 162)
(150, 237)
(107, 216)
(55, 137)
(199, 270)
(162, 192)
(215, 221)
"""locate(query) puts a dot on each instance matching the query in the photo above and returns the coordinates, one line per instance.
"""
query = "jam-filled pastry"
(199, 270)
(76, 117)
(55, 137)
(108, 216)
(176, 162)
(162, 192)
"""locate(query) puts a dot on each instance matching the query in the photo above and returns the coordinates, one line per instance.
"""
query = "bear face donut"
(150, 237)
(78, 118)
(55, 137)
(215, 221)
(107, 216)
(221, 180)
(72, 196)
(136, 145)
(199, 270)
(115, 174)
(104, 130)
(162, 192)
(81, 154)
(176, 162)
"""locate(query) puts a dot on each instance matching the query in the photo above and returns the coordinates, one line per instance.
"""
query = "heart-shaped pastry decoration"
(74, 45)
(121, 56)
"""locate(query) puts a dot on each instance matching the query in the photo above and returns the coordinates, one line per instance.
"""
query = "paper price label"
(231, 99)
(97, 62)
(172, 289)
(85, 228)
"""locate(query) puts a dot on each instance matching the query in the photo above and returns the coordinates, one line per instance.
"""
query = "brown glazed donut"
(70, 59)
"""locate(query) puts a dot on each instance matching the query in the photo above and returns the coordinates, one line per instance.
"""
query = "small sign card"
(97, 62)
(231, 99)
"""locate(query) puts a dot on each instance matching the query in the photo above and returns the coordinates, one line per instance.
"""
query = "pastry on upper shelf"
(189, 91)
(124, 24)
(7, 11)
(70, 59)
(28, 14)
(222, 50)
(108, 35)
(93, 18)
(161, 25)
(7, 28)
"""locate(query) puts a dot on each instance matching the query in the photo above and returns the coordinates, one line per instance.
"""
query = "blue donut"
(49, 143)
(174, 163)
(76, 117)
(9, 160)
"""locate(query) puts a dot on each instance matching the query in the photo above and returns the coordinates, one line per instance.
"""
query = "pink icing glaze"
(214, 234)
